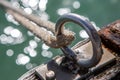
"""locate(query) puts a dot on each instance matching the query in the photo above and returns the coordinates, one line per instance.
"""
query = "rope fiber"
(39, 26)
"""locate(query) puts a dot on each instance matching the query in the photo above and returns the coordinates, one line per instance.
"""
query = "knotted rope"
(39, 27)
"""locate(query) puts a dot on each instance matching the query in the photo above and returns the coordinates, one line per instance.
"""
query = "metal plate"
(53, 65)
(86, 50)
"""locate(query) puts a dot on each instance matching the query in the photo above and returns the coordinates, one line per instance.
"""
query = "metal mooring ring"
(93, 36)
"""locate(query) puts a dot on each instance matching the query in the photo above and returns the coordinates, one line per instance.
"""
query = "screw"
(50, 75)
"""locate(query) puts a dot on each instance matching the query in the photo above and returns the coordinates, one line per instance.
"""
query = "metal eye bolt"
(93, 36)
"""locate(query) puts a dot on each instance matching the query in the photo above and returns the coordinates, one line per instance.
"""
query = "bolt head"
(50, 75)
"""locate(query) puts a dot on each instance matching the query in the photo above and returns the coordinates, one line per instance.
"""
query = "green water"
(102, 12)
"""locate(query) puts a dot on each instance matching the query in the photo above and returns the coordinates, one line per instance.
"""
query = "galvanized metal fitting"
(93, 36)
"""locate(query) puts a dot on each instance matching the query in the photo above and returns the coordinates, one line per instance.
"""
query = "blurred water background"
(21, 51)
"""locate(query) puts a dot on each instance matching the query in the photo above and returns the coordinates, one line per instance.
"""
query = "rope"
(38, 28)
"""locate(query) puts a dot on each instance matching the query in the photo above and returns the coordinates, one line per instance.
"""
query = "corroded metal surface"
(108, 67)
(60, 74)
(110, 36)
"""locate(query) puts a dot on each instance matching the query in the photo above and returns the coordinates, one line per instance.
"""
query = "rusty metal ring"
(93, 36)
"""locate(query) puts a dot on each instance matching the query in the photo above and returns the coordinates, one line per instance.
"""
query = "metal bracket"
(54, 71)
(62, 74)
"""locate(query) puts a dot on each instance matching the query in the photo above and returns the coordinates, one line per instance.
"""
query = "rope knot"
(61, 40)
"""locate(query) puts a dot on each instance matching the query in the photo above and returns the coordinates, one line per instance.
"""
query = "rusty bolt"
(50, 75)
